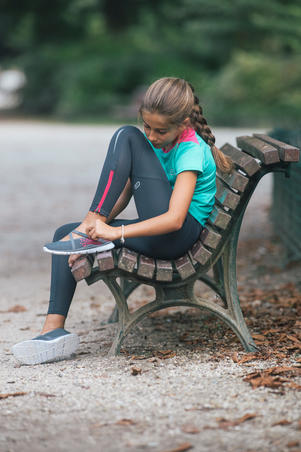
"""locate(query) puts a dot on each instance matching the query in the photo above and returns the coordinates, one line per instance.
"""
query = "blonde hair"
(175, 98)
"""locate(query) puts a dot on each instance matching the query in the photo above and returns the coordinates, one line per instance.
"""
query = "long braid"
(200, 125)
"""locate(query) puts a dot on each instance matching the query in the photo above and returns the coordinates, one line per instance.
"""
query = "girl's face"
(159, 131)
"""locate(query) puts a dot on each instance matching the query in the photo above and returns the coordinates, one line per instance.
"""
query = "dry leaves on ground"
(17, 308)
(273, 377)
(136, 370)
(125, 422)
(225, 423)
(190, 428)
(13, 394)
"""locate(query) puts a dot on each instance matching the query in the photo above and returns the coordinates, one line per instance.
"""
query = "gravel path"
(196, 397)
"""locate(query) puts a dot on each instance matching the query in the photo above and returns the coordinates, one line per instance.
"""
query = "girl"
(170, 170)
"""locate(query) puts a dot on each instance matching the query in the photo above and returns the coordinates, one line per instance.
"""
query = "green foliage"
(259, 87)
(86, 57)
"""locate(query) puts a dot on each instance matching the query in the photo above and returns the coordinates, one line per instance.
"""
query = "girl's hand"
(103, 231)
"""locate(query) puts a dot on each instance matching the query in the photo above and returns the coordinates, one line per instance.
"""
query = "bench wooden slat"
(184, 266)
(163, 270)
(243, 161)
(199, 253)
(105, 260)
(265, 152)
(225, 196)
(287, 152)
(146, 267)
(81, 268)
(219, 218)
(127, 260)
(235, 180)
(209, 237)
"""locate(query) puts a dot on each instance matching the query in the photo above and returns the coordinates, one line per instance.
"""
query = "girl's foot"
(54, 345)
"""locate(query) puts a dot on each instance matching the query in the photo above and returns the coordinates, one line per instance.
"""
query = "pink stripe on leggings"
(106, 190)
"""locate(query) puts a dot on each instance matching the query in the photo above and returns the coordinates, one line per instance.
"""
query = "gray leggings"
(129, 156)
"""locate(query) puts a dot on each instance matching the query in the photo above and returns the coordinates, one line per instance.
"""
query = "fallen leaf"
(137, 357)
(125, 422)
(225, 423)
(282, 422)
(190, 428)
(45, 394)
(259, 337)
(165, 354)
(294, 385)
(294, 339)
(293, 444)
(16, 308)
(181, 448)
(247, 358)
(13, 394)
(246, 417)
(235, 357)
(136, 370)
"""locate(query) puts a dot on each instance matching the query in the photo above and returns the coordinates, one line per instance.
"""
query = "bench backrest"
(257, 156)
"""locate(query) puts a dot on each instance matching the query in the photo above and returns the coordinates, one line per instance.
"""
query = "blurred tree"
(82, 57)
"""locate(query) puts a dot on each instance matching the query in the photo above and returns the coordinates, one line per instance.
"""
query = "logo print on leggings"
(137, 185)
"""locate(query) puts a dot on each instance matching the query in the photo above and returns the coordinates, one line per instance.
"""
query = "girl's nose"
(151, 136)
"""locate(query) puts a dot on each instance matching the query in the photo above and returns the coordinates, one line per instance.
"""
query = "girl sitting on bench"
(170, 170)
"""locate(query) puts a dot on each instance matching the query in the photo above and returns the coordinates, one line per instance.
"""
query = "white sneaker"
(57, 344)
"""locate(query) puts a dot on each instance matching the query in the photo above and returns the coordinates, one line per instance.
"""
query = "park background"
(71, 71)
(89, 60)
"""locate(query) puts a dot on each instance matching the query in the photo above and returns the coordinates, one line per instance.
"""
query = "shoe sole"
(100, 248)
(38, 352)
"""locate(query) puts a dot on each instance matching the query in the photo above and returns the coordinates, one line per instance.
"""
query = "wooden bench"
(174, 281)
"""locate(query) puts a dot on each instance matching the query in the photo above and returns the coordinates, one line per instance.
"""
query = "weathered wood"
(81, 268)
(163, 270)
(184, 266)
(105, 260)
(219, 218)
(209, 237)
(146, 267)
(265, 152)
(127, 260)
(235, 180)
(200, 253)
(287, 152)
(243, 161)
(225, 196)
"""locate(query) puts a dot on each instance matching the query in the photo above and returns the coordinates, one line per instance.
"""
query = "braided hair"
(176, 99)
(201, 127)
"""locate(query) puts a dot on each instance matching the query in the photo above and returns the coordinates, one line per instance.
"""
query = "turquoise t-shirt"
(192, 153)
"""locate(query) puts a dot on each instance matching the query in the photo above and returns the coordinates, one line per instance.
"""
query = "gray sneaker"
(83, 245)
(57, 344)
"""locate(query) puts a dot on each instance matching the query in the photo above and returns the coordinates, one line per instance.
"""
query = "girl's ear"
(184, 125)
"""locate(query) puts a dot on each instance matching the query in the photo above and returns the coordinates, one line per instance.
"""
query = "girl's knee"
(128, 131)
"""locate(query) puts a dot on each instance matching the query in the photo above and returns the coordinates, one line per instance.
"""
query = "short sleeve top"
(192, 153)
